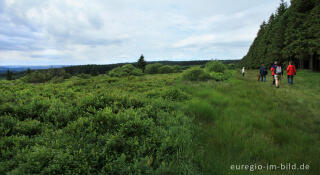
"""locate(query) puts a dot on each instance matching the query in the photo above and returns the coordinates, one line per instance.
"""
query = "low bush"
(6, 125)
(35, 77)
(125, 71)
(218, 76)
(28, 127)
(174, 95)
(158, 68)
(196, 74)
(231, 66)
(178, 68)
(56, 75)
(84, 76)
(153, 68)
(95, 125)
(57, 79)
(166, 69)
(215, 66)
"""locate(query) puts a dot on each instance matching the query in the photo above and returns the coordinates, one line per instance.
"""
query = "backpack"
(278, 70)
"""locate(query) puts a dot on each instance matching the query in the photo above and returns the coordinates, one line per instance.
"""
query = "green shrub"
(196, 74)
(166, 69)
(158, 68)
(46, 75)
(98, 125)
(174, 95)
(57, 79)
(28, 127)
(84, 76)
(153, 68)
(35, 77)
(125, 71)
(11, 149)
(34, 161)
(231, 66)
(34, 109)
(51, 73)
(218, 76)
(59, 114)
(215, 66)
(6, 125)
(177, 68)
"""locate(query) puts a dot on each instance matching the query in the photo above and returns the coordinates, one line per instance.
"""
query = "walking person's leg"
(291, 79)
(274, 80)
(277, 80)
(264, 78)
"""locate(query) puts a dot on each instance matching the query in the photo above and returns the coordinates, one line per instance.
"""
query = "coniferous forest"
(291, 33)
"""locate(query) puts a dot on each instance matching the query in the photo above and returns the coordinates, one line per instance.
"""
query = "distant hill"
(4, 69)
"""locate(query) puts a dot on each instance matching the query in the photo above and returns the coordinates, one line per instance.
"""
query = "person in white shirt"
(243, 71)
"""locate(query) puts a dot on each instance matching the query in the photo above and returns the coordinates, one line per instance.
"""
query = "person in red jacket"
(291, 71)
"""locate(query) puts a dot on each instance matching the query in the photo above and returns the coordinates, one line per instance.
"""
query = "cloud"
(103, 32)
(195, 40)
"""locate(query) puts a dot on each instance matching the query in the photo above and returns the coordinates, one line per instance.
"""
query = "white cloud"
(195, 40)
(102, 32)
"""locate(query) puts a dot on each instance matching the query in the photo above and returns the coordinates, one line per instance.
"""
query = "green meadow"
(159, 124)
(244, 121)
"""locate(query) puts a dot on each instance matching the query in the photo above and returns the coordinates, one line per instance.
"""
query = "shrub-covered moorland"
(94, 125)
(179, 123)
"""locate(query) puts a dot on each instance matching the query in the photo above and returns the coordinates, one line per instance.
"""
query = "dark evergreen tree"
(291, 33)
(9, 75)
(141, 63)
(28, 71)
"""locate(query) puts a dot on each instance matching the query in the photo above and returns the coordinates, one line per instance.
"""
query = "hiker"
(277, 74)
(243, 71)
(273, 67)
(291, 71)
(263, 73)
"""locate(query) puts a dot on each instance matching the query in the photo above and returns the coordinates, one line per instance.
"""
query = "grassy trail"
(243, 121)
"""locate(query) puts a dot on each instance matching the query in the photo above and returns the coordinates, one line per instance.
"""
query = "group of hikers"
(277, 72)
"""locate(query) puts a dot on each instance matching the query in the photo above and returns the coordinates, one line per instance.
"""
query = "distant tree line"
(121, 69)
(291, 33)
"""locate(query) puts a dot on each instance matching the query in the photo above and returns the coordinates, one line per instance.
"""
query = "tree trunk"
(301, 63)
(316, 62)
(311, 62)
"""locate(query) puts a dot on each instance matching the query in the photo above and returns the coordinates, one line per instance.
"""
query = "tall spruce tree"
(28, 71)
(141, 63)
(291, 33)
(9, 75)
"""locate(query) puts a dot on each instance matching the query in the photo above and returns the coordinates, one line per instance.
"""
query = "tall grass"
(255, 123)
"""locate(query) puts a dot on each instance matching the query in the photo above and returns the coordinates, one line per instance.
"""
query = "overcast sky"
(60, 32)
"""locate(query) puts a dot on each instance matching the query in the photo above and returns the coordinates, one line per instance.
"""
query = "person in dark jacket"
(263, 73)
